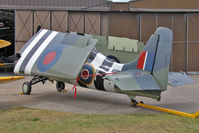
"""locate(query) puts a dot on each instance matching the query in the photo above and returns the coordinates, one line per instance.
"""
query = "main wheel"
(60, 86)
(26, 88)
(133, 103)
(113, 58)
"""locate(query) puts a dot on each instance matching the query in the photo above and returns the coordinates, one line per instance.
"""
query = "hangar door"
(193, 41)
(59, 21)
(23, 28)
(28, 21)
(124, 25)
(87, 22)
(176, 22)
(42, 18)
(92, 23)
(76, 22)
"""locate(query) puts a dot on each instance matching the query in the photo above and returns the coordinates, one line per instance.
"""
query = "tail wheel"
(26, 88)
(60, 86)
(113, 58)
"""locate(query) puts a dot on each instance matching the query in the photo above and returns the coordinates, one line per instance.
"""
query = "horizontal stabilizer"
(177, 79)
(134, 80)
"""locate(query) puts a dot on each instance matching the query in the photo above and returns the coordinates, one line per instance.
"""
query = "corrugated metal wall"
(95, 23)
(134, 25)
(193, 41)
(175, 21)
(140, 26)
(124, 24)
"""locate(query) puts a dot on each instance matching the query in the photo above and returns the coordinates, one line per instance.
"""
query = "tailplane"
(155, 57)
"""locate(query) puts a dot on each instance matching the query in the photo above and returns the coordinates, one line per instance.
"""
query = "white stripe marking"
(117, 66)
(38, 52)
(98, 60)
(145, 60)
(28, 49)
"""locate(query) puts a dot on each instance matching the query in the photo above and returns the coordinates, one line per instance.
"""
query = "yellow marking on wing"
(2, 64)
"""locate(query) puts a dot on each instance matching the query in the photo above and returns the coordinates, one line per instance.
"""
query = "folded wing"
(55, 55)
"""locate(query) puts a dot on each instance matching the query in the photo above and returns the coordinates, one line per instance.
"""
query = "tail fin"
(157, 53)
(155, 57)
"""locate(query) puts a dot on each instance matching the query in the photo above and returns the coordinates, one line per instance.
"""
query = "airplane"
(72, 58)
(7, 61)
(4, 79)
(4, 43)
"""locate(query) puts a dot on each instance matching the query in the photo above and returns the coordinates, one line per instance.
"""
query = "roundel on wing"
(87, 69)
(49, 58)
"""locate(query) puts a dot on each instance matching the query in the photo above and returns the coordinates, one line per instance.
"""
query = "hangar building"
(137, 20)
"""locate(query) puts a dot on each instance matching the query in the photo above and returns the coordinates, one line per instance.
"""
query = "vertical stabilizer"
(163, 55)
(155, 56)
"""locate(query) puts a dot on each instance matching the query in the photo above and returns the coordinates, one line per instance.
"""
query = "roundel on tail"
(49, 58)
(87, 69)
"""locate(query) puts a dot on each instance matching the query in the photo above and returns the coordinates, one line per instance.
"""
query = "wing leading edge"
(55, 55)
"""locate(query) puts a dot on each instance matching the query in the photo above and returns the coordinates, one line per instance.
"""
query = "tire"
(113, 58)
(26, 88)
(60, 86)
(133, 105)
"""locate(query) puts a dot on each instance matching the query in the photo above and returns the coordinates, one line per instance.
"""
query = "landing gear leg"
(134, 103)
(27, 86)
(60, 86)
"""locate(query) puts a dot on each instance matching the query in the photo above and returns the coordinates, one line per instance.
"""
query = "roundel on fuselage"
(87, 69)
(49, 58)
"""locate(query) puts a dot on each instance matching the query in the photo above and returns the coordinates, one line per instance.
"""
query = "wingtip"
(197, 114)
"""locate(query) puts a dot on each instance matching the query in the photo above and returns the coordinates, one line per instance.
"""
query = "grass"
(28, 120)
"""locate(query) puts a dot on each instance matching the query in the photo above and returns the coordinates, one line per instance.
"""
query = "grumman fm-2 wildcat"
(70, 58)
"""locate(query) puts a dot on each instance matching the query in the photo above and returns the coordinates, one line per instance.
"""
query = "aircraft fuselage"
(98, 64)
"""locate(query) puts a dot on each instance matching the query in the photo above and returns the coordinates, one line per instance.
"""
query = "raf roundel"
(85, 77)
(48, 59)
(85, 73)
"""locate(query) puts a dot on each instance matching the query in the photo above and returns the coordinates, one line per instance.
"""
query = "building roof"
(165, 5)
(103, 5)
(96, 5)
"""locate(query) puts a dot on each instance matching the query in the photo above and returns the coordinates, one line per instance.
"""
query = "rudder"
(155, 57)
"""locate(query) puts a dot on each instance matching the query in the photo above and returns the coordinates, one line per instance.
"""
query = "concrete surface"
(184, 98)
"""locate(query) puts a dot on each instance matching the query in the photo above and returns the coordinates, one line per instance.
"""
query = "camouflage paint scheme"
(65, 56)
